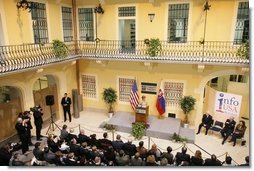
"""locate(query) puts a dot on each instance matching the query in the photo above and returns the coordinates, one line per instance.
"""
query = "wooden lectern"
(142, 114)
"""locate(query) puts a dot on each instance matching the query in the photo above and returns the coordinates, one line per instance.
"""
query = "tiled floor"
(211, 143)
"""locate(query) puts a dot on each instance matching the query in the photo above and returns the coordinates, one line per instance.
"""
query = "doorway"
(127, 35)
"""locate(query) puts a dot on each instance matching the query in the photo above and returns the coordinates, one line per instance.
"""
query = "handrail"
(25, 56)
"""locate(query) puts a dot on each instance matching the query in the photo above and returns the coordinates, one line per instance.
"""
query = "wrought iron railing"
(19, 57)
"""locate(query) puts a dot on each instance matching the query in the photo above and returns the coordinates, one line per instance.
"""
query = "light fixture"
(99, 9)
(25, 4)
(151, 16)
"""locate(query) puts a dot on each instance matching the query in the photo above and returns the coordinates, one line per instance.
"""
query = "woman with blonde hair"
(197, 160)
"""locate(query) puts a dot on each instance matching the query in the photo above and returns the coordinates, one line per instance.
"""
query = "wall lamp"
(151, 16)
(25, 4)
(99, 9)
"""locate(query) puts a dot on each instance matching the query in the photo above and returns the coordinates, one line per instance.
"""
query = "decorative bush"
(178, 138)
(60, 49)
(110, 97)
(187, 105)
(243, 50)
(138, 130)
(154, 46)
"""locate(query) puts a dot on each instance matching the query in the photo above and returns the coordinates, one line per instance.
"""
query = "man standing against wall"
(66, 103)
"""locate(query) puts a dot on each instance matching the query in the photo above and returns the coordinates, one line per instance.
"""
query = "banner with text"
(227, 103)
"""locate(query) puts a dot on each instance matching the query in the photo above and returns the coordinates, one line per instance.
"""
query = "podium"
(142, 114)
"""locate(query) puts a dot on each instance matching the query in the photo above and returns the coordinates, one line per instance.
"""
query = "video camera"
(36, 108)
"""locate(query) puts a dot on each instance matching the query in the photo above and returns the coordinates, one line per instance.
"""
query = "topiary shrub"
(138, 130)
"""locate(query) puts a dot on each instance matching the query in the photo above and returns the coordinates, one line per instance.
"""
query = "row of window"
(178, 15)
(173, 91)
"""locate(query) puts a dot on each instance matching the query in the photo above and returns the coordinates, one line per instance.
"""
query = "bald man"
(207, 121)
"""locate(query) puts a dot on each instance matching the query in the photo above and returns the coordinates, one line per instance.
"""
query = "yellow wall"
(107, 77)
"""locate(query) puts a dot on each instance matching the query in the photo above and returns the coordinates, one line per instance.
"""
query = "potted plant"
(110, 96)
(243, 51)
(154, 46)
(138, 130)
(60, 49)
(177, 138)
(187, 105)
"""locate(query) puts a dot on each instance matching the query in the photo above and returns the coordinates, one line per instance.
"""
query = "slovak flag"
(160, 103)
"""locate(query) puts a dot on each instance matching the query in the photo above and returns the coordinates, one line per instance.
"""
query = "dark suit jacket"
(83, 138)
(66, 103)
(229, 126)
(182, 157)
(210, 162)
(38, 118)
(207, 120)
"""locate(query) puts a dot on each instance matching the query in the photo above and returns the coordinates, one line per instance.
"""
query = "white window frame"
(61, 18)
(118, 87)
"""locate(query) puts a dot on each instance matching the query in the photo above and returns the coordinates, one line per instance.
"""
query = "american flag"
(134, 98)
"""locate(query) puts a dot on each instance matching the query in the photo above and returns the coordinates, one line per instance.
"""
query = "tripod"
(52, 123)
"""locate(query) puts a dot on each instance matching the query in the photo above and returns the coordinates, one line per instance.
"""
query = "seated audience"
(136, 160)
(122, 159)
(64, 133)
(118, 143)
(82, 137)
(228, 161)
(168, 155)
(142, 150)
(5, 155)
(129, 148)
(16, 160)
(105, 142)
(150, 161)
(228, 128)
(182, 156)
(197, 159)
(207, 120)
(212, 161)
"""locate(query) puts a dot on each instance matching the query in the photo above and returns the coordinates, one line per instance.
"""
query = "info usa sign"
(228, 103)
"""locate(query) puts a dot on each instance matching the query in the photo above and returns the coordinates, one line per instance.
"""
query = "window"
(67, 24)
(178, 22)
(125, 85)
(86, 25)
(173, 93)
(89, 86)
(237, 78)
(126, 11)
(40, 26)
(242, 23)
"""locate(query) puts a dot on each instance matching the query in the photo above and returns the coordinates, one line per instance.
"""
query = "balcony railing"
(25, 56)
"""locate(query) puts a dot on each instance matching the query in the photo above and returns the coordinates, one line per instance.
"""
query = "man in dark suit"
(66, 103)
(38, 121)
(182, 156)
(207, 121)
(228, 129)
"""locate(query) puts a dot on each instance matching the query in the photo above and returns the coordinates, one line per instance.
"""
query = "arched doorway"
(10, 107)
(235, 86)
(43, 87)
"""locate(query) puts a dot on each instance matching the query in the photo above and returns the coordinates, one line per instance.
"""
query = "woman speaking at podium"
(143, 102)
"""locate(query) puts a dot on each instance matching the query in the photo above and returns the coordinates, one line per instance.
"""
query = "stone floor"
(207, 144)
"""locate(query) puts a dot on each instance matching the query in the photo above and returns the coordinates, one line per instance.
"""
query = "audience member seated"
(228, 128)
(168, 155)
(129, 148)
(164, 162)
(212, 161)
(228, 161)
(155, 151)
(122, 159)
(49, 156)
(105, 142)
(5, 155)
(197, 159)
(207, 120)
(70, 160)
(93, 141)
(118, 143)
(110, 156)
(247, 162)
(136, 160)
(142, 150)
(52, 144)
(74, 147)
(182, 156)
(71, 135)
(64, 133)
(150, 161)
(37, 151)
(239, 132)
(82, 137)
(16, 160)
